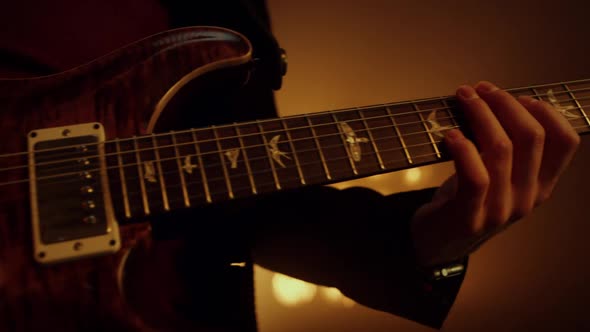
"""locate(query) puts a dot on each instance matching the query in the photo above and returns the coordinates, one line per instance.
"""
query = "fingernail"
(485, 87)
(467, 92)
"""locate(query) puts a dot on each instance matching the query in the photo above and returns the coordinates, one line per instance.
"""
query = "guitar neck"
(162, 172)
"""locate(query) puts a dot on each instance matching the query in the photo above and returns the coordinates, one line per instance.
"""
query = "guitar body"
(132, 91)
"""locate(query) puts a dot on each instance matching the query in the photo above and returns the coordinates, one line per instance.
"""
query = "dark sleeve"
(357, 240)
(388, 277)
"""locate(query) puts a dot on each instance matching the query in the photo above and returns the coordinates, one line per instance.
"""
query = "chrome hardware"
(87, 190)
(72, 214)
(89, 219)
(88, 205)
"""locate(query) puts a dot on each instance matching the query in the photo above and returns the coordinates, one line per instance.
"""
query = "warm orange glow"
(334, 295)
(357, 53)
(413, 175)
(292, 292)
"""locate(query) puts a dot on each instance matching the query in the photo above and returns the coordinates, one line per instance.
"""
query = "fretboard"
(161, 172)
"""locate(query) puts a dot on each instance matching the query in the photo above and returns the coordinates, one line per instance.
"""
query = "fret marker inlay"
(150, 172)
(353, 141)
(561, 109)
(188, 165)
(233, 155)
(435, 127)
(275, 152)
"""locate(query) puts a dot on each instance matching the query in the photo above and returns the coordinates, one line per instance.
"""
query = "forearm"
(356, 240)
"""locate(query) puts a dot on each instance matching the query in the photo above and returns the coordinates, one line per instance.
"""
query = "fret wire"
(342, 158)
(146, 206)
(427, 155)
(577, 103)
(201, 168)
(311, 126)
(401, 139)
(260, 171)
(187, 202)
(428, 132)
(449, 109)
(580, 107)
(536, 94)
(541, 95)
(270, 160)
(272, 131)
(549, 85)
(414, 145)
(123, 181)
(426, 110)
(247, 162)
(373, 141)
(335, 111)
(11, 168)
(223, 166)
(73, 173)
(317, 143)
(215, 152)
(346, 146)
(160, 175)
(295, 157)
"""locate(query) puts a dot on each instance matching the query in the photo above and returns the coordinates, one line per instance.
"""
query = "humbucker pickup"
(71, 211)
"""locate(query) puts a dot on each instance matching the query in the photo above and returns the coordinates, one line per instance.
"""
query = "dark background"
(343, 54)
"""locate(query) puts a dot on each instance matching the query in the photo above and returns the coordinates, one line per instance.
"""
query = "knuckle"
(503, 95)
(480, 184)
(572, 140)
(499, 97)
(535, 137)
(501, 148)
(474, 104)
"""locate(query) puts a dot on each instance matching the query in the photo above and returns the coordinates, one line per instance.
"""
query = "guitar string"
(366, 109)
(282, 131)
(212, 165)
(266, 170)
(208, 152)
(209, 140)
(221, 180)
(257, 135)
(199, 195)
(315, 114)
(212, 152)
(249, 188)
(246, 135)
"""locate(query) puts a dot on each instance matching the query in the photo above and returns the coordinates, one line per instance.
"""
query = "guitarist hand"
(524, 146)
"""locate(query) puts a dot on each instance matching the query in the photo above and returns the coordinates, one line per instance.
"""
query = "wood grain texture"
(119, 90)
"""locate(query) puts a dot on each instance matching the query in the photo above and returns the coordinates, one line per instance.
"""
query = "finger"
(496, 153)
(527, 136)
(472, 179)
(560, 146)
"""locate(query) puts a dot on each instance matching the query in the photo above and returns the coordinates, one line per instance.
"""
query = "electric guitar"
(88, 156)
